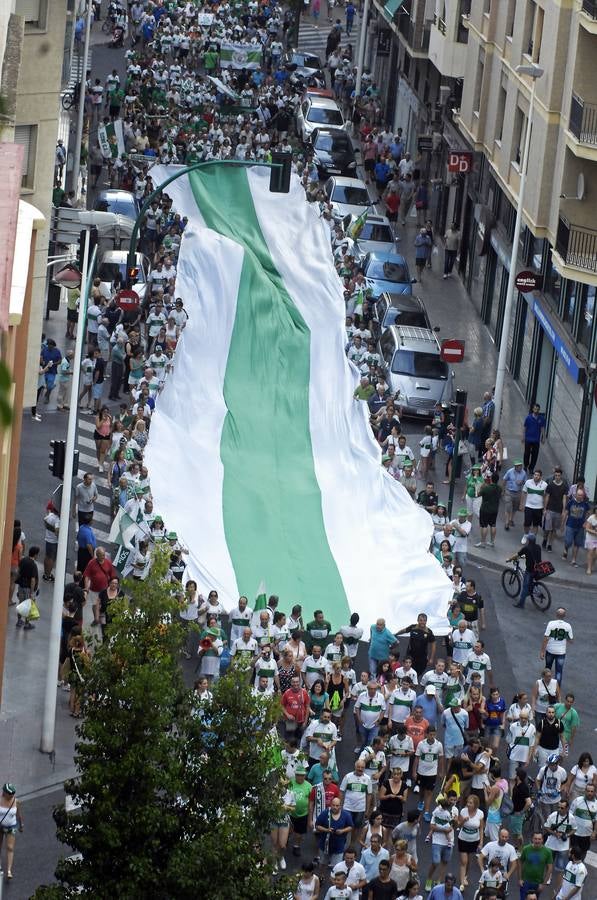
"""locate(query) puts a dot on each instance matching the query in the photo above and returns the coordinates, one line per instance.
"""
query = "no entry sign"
(452, 351)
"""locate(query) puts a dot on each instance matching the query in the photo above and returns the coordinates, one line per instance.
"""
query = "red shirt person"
(416, 726)
(295, 705)
(96, 578)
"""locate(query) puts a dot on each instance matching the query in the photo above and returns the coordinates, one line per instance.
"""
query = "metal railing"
(583, 120)
(439, 24)
(577, 245)
(590, 7)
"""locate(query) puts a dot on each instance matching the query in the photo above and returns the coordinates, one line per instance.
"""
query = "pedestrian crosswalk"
(313, 38)
(88, 463)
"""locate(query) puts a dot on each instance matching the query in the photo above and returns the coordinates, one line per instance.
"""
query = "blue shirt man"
(372, 856)
(534, 426)
(380, 641)
(514, 478)
(446, 891)
(428, 703)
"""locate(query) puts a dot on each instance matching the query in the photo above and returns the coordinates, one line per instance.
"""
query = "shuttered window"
(26, 136)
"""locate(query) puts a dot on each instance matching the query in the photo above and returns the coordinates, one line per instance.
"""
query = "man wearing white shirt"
(479, 661)
(356, 792)
(245, 647)
(314, 667)
(355, 873)
(463, 641)
(400, 703)
(555, 642)
(369, 710)
(321, 735)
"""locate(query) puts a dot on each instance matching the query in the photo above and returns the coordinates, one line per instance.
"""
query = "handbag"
(34, 613)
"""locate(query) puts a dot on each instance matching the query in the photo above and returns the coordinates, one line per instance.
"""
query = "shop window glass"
(553, 283)
(587, 315)
(536, 251)
(570, 300)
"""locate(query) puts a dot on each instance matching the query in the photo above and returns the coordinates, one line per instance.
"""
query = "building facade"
(552, 339)
(37, 114)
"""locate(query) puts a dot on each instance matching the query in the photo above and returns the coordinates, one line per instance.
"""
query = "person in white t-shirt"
(354, 871)
(356, 792)
(463, 640)
(400, 703)
(555, 643)
(575, 874)
(428, 764)
(558, 827)
(240, 618)
(352, 634)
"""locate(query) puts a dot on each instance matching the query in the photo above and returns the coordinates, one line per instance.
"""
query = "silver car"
(348, 195)
(314, 112)
(414, 370)
(376, 236)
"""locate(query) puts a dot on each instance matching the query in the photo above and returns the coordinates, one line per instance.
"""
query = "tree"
(172, 795)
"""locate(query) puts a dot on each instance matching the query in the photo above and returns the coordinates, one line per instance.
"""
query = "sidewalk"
(450, 307)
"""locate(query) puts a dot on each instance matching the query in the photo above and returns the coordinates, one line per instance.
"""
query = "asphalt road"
(512, 640)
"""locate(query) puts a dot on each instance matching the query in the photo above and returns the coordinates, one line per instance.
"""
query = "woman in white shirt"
(519, 704)
(470, 836)
(546, 692)
(581, 775)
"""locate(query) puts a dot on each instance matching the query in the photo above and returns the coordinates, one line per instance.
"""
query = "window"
(537, 35)
(26, 135)
(487, 7)
(501, 109)
(520, 127)
(553, 283)
(34, 12)
(529, 28)
(419, 365)
(587, 315)
(406, 67)
(510, 16)
(535, 253)
(479, 83)
(569, 307)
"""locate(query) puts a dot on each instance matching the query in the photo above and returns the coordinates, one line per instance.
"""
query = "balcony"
(583, 121)
(577, 246)
(445, 51)
(581, 135)
(588, 15)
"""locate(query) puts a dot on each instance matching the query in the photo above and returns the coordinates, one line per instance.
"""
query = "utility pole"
(49, 712)
(74, 174)
(361, 56)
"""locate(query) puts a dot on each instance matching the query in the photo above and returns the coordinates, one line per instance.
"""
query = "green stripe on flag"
(273, 517)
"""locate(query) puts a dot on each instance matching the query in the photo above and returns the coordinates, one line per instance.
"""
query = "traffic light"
(57, 454)
(279, 178)
(93, 238)
(461, 398)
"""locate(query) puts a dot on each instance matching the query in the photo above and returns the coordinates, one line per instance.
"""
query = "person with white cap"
(432, 708)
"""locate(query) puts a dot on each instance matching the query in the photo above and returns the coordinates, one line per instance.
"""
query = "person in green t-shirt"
(569, 718)
(317, 631)
(301, 790)
(473, 485)
(365, 389)
(534, 866)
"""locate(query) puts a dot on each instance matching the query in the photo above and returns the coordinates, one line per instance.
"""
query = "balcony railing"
(439, 24)
(577, 245)
(590, 7)
(583, 120)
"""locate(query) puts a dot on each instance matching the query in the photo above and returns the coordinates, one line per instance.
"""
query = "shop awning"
(391, 8)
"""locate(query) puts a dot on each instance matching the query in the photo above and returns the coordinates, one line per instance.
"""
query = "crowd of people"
(500, 788)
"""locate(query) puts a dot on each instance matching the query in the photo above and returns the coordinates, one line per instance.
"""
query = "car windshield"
(420, 365)
(108, 271)
(304, 60)
(332, 143)
(355, 196)
(405, 317)
(122, 207)
(384, 270)
(323, 116)
(379, 233)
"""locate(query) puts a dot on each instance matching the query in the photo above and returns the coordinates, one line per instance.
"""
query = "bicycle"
(539, 593)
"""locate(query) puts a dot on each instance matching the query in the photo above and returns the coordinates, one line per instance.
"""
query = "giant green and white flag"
(240, 56)
(258, 452)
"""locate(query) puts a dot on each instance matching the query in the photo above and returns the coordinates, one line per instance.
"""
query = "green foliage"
(175, 797)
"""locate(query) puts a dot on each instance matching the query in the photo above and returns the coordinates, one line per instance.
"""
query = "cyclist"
(532, 555)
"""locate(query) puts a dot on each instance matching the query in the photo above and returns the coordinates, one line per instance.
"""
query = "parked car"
(376, 236)
(347, 195)
(304, 65)
(414, 370)
(387, 271)
(116, 201)
(332, 152)
(113, 264)
(315, 111)
(397, 309)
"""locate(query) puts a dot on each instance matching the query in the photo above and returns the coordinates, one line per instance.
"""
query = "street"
(512, 639)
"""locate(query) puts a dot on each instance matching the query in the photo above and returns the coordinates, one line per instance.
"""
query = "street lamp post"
(361, 56)
(534, 72)
(184, 170)
(74, 175)
(48, 727)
